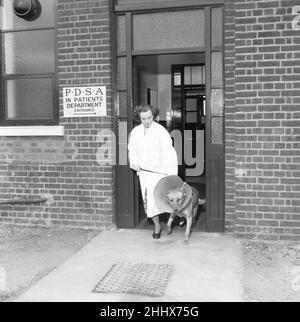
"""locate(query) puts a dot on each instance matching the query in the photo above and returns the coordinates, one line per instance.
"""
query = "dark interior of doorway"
(176, 85)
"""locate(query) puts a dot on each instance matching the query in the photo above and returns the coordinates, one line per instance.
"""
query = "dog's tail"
(201, 201)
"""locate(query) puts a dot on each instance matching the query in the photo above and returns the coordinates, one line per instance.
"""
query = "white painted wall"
(155, 73)
(164, 81)
(147, 67)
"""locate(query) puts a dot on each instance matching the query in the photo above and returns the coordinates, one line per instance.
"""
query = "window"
(28, 83)
(172, 30)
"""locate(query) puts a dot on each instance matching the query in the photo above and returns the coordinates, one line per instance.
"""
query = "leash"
(153, 171)
(180, 211)
(187, 205)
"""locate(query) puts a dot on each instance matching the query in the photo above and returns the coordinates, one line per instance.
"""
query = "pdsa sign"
(84, 101)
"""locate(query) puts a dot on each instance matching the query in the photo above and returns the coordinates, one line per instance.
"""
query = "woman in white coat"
(152, 156)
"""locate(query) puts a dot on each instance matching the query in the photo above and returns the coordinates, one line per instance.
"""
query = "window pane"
(29, 52)
(121, 73)
(217, 130)
(216, 27)
(121, 33)
(187, 75)
(29, 99)
(122, 103)
(191, 105)
(197, 75)
(191, 117)
(177, 79)
(11, 21)
(123, 142)
(217, 68)
(217, 102)
(167, 30)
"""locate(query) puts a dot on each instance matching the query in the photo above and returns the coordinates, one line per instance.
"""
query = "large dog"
(184, 202)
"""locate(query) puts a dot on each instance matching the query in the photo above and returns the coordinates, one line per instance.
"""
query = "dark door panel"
(215, 201)
(125, 193)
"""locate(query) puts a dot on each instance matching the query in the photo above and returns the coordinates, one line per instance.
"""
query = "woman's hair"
(146, 107)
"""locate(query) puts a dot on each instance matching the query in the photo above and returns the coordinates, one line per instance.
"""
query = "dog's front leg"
(189, 222)
(169, 224)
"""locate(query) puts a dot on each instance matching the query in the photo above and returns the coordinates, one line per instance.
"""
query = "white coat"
(152, 151)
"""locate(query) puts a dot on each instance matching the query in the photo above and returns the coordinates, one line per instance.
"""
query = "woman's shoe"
(157, 235)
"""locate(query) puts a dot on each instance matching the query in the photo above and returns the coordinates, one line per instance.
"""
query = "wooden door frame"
(166, 5)
(212, 224)
(124, 172)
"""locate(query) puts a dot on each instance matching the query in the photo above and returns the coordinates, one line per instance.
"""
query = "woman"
(153, 157)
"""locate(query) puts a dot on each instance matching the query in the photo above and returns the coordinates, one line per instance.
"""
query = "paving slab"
(208, 269)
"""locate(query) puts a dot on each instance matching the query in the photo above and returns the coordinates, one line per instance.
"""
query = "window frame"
(164, 5)
(4, 121)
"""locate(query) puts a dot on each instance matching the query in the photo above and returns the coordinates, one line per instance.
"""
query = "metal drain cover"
(145, 279)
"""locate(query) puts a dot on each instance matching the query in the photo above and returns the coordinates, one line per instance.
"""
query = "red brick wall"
(65, 170)
(267, 97)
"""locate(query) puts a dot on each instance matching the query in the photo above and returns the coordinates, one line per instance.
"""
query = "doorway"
(176, 85)
(173, 57)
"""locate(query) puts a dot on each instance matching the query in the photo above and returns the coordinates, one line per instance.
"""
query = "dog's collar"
(186, 205)
(188, 200)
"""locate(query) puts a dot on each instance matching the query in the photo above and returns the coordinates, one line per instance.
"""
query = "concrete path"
(209, 269)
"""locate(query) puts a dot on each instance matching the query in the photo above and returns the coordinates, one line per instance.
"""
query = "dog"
(184, 202)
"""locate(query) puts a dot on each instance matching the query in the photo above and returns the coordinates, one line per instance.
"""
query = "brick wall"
(267, 151)
(65, 170)
(262, 127)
